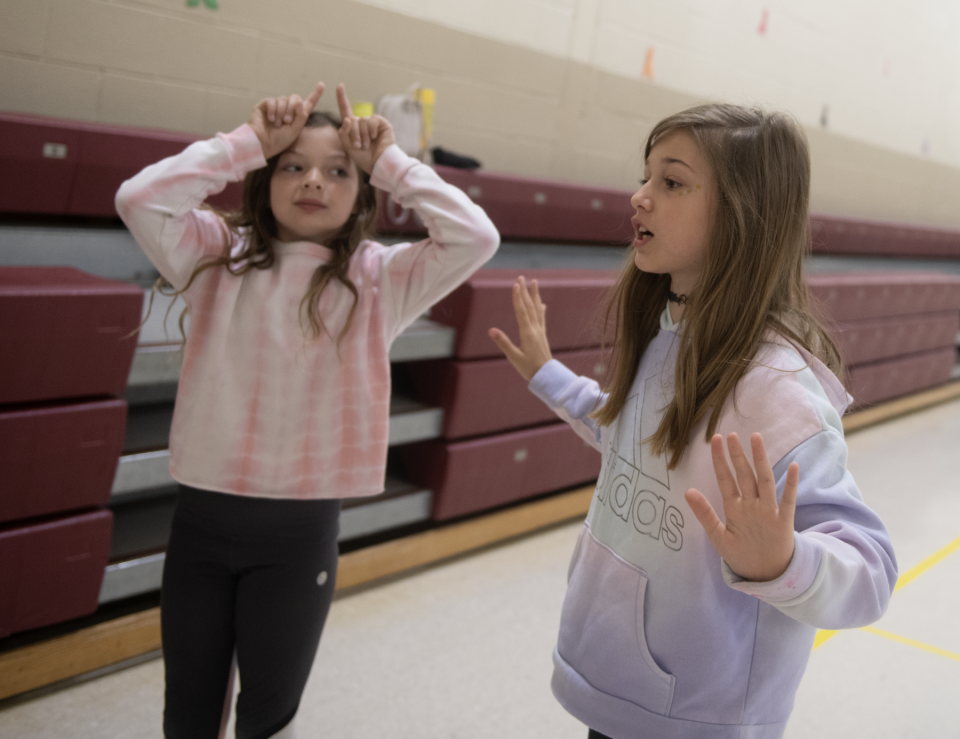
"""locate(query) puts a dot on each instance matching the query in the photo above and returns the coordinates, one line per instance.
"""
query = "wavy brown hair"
(752, 282)
(254, 226)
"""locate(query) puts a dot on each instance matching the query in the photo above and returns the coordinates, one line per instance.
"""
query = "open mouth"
(643, 235)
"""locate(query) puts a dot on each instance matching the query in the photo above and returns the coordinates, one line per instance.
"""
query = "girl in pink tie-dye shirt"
(283, 402)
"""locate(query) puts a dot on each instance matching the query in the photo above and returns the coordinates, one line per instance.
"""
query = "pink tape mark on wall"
(647, 72)
(764, 19)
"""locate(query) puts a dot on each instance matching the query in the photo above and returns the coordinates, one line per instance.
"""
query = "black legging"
(255, 575)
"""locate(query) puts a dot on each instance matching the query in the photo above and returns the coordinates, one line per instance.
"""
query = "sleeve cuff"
(793, 583)
(390, 168)
(550, 381)
(243, 146)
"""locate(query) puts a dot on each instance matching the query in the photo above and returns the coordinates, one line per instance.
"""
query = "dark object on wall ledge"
(457, 161)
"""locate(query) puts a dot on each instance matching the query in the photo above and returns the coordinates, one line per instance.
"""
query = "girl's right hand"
(534, 349)
(278, 121)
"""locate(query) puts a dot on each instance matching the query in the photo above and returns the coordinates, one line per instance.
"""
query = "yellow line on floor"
(911, 643)
(824, 635)
(915, 572)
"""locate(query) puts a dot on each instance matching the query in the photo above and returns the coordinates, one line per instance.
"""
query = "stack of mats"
(896, 331)
(65, 358)
(500, 443)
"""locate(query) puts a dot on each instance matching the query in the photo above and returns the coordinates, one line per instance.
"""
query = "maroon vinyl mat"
(834, 235)
(473, 475)
(891, 378)
(51, 570)
(487, 395)
(59, 166)
(58, 457)
(527, 208)
(574, 297)
(64, 333)
(854, 296)
(882, 338)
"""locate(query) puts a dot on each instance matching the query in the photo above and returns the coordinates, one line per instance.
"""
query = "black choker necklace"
(678, 299)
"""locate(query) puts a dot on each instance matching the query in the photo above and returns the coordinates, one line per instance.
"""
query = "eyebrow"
(671, 160)
(335, 155)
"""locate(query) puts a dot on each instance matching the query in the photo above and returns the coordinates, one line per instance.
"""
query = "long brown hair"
(752, 282)
(255, 227)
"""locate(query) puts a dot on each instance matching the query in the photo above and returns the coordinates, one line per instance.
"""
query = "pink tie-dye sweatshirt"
(261, 410)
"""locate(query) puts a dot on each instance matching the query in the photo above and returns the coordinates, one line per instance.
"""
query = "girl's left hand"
(364, 139)
(757, 539)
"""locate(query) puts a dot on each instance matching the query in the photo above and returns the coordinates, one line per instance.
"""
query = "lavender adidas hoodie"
(658, 637)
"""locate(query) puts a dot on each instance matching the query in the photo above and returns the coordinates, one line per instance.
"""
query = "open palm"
(534, 349)
(756, 538)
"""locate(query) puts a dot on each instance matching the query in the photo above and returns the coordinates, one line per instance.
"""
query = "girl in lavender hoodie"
(678, 628)
(283, 402)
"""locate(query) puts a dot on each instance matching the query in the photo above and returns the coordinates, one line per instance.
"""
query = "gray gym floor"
(463, 649)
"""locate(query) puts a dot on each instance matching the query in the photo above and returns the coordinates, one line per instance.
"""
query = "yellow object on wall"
(426, 97)
(362, 110)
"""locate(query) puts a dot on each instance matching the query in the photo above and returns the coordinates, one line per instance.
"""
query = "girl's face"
(675, 208)
(314, 187)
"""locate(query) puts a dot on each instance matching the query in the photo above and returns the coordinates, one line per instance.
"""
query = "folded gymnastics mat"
(64, 333)
(477, 474)
(38, 157)
(883, 338)
(60, 166)
(575, 300)
(487, 395)
(58, 457)
(51, 570)
(891, 378)
(522, 207)
(832, 235)
(852, 296)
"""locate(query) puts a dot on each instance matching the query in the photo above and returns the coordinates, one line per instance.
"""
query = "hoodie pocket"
(602, 635)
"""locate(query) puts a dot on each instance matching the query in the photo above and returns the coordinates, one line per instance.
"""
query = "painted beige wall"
(161, 64)
(888, 71)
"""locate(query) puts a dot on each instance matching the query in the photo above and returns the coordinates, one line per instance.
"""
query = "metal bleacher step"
(400, 504)
(148, 427)
(156, 366)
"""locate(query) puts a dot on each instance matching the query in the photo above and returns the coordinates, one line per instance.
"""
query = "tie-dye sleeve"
(160, 204)
(461, 238)
(572, 397)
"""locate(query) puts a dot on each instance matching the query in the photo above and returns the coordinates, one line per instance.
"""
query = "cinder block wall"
(518, 106)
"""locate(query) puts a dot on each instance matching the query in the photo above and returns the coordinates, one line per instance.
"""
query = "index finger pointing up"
(345, 110)
(311, 102)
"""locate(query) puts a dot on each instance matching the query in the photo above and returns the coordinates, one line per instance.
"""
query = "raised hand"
(756, 540)
(278, 121)
(364, 139)
(534, 349)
